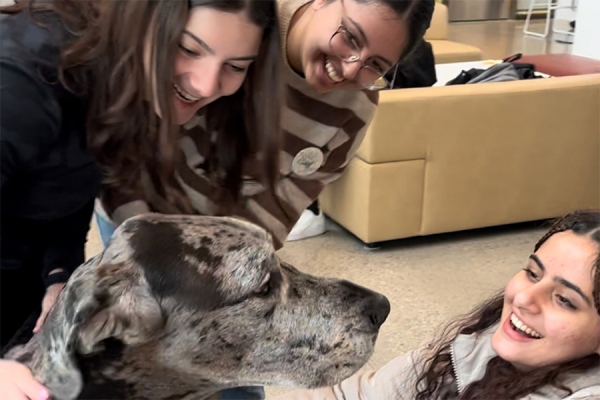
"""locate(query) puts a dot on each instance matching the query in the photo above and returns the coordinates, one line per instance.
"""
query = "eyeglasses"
(371, 74)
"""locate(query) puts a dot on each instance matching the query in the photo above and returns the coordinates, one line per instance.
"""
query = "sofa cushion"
(446, 52)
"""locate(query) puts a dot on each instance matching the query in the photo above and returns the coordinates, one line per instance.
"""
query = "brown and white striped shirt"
(334, 123)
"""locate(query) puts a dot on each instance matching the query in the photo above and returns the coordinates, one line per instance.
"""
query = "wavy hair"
(104, 62)
(502, 380)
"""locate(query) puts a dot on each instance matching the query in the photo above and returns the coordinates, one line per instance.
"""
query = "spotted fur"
(180, 307)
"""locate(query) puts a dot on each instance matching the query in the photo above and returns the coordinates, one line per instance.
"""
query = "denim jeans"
(107, 229)
(243, 393)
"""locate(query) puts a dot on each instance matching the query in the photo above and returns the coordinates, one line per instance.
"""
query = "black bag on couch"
(507, 70)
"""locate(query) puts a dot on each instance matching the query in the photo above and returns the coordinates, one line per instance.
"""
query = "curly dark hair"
(502, 380)
(104, 62)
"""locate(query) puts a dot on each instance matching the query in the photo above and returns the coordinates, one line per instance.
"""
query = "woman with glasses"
(336, 54)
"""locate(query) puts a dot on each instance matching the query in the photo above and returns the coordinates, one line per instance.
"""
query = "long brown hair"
(502, 380)
(104, 62)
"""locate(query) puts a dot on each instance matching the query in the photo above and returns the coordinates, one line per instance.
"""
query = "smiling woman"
(549, 316)
(94, 94)
(213, 61)
(539, 338)
(335, 55)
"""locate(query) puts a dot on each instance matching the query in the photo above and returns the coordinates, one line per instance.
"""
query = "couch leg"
(372, 246)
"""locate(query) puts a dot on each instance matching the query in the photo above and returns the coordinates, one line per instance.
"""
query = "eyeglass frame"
(343, 30)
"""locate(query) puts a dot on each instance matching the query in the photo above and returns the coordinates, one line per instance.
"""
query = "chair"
(552, 5)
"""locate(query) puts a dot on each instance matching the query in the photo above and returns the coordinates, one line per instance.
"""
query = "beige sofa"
(444, 50)
(452, 158)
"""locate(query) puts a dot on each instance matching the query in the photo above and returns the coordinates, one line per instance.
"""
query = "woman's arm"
(29, 121)
(394, 381)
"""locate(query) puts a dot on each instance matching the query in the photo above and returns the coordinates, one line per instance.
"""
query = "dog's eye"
(265, 287)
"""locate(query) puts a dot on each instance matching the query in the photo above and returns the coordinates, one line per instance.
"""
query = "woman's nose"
(351, 70)
(529, 300)
(205, 81)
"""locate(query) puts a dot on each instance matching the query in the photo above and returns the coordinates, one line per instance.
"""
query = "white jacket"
(471, 353)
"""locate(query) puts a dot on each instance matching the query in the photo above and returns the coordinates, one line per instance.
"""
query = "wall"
(568, 14)
(587, 29)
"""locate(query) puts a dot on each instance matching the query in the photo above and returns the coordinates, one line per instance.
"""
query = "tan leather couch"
(452, 158)
(444, 50)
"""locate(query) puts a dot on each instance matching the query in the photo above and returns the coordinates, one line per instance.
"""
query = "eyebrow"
(560, 280)
(206, 47)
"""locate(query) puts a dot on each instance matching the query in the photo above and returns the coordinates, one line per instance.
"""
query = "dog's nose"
(378, 309)
(376, 306)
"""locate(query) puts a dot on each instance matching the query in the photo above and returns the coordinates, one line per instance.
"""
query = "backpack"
(505, 71)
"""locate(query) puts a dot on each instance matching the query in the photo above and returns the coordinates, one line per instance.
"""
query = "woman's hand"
(50, 297)
(17, 383)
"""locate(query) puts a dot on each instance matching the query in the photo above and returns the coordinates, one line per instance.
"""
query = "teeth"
(184, 95)
(331, 72)
(522, 327)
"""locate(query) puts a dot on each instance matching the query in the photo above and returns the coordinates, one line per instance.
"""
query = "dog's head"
(213, 301)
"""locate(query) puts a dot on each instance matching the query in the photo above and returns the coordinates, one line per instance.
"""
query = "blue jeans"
(243, 393)
(107, 229)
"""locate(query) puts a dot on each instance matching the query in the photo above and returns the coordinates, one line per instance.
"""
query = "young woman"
(95, 92)
(335, 53)
(101, 86)
(538, 339)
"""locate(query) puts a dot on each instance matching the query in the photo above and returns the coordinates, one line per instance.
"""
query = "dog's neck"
(121, 372)
(117, 372)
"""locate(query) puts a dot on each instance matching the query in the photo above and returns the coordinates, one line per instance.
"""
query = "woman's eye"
(565, 302)
(187, 51)
(374, 65)
(532, 275)
(237, 69)
(351, 40)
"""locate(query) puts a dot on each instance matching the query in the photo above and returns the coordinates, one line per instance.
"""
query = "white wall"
(568, 14)
(587, 29)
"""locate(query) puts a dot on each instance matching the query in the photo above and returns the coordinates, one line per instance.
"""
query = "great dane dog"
(180, 307)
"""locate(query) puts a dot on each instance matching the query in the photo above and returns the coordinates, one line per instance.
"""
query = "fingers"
(17, 383)
(40, 321)
(50, 298)
(33, 390)
(42, 317)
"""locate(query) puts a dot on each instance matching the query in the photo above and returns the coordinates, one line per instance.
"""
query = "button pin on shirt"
(307, 161)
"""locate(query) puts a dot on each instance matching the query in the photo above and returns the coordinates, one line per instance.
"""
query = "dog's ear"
(123, 308)
(98, 302)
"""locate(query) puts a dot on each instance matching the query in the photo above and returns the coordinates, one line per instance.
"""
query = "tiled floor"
(427, 280)
(499, 39)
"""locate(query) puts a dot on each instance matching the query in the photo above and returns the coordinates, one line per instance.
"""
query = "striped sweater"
(334, 123)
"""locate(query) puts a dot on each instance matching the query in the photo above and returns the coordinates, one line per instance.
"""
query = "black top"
(49, 180)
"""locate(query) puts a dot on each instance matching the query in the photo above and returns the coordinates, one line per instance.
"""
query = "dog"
(181, 307)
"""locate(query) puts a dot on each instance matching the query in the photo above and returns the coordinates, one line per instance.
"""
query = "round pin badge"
(307, 161)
